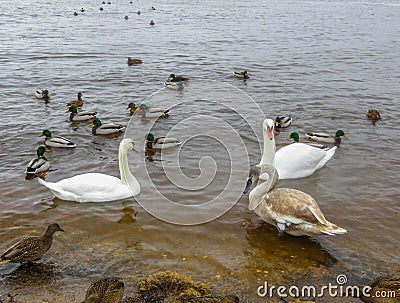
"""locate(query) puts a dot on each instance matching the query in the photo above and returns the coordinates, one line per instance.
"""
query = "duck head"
(46, 133)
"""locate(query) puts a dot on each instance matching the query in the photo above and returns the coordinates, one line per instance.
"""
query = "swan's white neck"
(268, 156)
(126, 175)
(257, 194)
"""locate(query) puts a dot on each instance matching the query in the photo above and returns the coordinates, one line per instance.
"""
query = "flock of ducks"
(82, 10)
(289, 210)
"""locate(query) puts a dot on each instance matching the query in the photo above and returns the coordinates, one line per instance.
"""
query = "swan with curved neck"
(95, 187)
(296, 160)
(290, 210)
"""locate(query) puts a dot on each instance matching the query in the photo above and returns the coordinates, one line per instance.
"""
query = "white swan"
(290, 210)
(95, 187)
(293, 161)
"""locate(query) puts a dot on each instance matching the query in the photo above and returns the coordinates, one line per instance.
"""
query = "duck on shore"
(32, 248)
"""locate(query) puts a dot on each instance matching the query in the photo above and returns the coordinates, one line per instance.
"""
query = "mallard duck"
(175, 85)
(290, 210)
(174, 78)
(138, 12)
(105, 290)
(384, 289)
(76, 103)
(241, 75)
(132, 108)
(105, 128)
(42, 94)
(326, 138)
(95, 187)
(126, 17)
(153, 8)
(161, 142)
(77, 116)
(152, 112)
(295, 136)
(282, 122)
(82, 10)
(75, 14)
(294, 160)
(30, 249)
(152, 23)
(373, 114)
(56, 141)
(38, 164)
(132, 61)
(101, 8)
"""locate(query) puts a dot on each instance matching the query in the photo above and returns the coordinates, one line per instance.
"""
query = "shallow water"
(323, 62)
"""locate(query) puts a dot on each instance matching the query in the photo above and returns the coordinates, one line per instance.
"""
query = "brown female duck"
(76, 103)
(30, 249)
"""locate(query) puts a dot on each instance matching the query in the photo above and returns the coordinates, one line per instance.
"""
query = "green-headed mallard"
(290, 210)
(294, 160)
(373, 114)
(42, 94)
(152, 112)
(56, 141)
(161, 142)
(326, 138)
(241, 75)
(132, 61)
(105, 290)
(95, 187)
(296, 138)
(77, 116)
(105, 128)
(76, 103)
(39, 164)
(384, 289)
(282, 122)
(30, 249)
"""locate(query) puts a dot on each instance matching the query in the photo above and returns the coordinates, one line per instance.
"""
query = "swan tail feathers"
(330, 152)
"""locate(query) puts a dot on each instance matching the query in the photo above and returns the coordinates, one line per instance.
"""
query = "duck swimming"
(105, 290)
(174, 78)
(95, 187)
(296, 138)
(56, 141)
(76, 103)
(30, 249)
(132, 61)
(132, 108)
(373, 114)
(241, 75)
(161, 142)
(282, 122)
(152, 112)
(42, 94)
(106, 128)
(290, 210)
(39, 164)
(78, 116)
(326, 138)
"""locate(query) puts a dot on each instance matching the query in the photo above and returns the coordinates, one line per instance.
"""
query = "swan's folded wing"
(295, 206)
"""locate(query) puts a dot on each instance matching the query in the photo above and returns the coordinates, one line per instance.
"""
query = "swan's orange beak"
(270, 133)
(134, 148)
